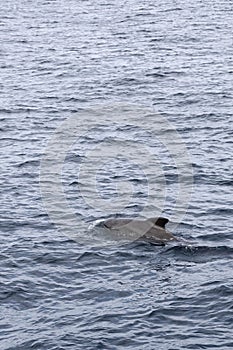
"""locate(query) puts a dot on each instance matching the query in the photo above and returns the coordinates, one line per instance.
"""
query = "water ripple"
(57, 61)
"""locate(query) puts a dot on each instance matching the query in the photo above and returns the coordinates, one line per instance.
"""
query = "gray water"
(66, 61)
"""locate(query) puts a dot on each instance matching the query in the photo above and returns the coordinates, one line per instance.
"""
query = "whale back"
(150, 222)
(114, 224)
(151, 229)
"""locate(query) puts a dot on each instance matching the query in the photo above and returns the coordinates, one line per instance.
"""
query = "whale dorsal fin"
(159, 221)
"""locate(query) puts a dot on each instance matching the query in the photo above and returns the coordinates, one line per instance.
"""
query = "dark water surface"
(58, 58)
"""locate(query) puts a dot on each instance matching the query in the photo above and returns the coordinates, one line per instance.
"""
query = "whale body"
(151, 229)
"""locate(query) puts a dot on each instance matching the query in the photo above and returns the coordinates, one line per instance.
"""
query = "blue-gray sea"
(84, 88)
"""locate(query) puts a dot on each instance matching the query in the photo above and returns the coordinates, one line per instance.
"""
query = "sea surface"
(115, 108)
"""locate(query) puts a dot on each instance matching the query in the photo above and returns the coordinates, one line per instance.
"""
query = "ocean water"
(115, 108)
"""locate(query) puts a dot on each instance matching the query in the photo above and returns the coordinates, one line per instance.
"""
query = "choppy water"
(59, 59)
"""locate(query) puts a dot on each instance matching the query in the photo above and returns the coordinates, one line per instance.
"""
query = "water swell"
(199, 254)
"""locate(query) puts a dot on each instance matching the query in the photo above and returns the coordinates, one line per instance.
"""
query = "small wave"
(171, 9)
(220, 211)
(198, 254)
(29, 163)
(155, 75)
(212, 179)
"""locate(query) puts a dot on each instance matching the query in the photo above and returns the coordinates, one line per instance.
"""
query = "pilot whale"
(151, 229)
